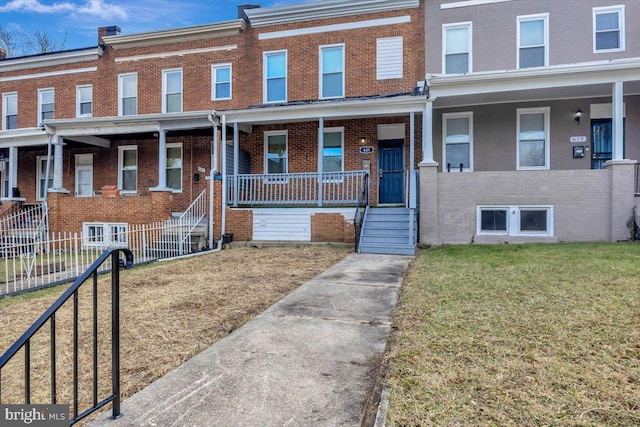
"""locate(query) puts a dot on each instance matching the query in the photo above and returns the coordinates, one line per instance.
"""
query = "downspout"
(50, 136)
(223, 157)
(212, 172)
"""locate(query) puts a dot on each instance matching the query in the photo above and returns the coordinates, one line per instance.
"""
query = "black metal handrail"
(361, 208)
(50, 316)
(637, 178)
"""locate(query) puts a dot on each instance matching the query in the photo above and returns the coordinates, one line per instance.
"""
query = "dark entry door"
(391, 171)
(601, 142)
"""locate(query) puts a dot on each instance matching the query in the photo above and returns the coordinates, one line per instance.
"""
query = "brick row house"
(470, 121)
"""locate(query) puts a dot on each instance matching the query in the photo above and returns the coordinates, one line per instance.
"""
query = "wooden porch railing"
(296, 189)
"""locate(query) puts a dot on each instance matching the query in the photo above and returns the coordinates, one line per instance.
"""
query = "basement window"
(105, 234)
(515, 220)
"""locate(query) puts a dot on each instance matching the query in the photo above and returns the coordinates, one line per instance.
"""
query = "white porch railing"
(306, 189)
(24, 225)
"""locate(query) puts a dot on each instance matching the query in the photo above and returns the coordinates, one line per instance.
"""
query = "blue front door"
(391, 171)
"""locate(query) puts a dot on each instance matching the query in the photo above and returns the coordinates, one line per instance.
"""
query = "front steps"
(386, 231)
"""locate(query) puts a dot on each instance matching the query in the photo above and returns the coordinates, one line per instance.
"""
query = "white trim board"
(335, 27)
(177, 53)
(466, 3)
(49, 74)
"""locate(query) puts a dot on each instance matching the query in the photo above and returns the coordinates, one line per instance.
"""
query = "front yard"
(518, 335)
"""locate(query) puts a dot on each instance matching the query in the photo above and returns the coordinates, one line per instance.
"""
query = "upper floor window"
(389, 55)
(128, 168)
(221, 82)
(10, 111)
(275, 76)
(128, 94)
(84, 101)
(533, 41)
(172, 91)
(608, 29)
(458, 141)
(533, 138)
(45, 105)
(333, 150)
(456, 48)
(174, 166)
(332, 71)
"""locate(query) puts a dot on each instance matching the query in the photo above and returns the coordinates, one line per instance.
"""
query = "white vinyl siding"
(456, 48)
(608, 29)
(84, 101)
(9, 111)
(457, 141)
(515, 220)
(281, 226)
(128, 94)
(533, 138)
(533, 41)
(172, 91)
(390, 57)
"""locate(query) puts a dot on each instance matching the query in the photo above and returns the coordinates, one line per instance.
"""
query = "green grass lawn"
(518, 335)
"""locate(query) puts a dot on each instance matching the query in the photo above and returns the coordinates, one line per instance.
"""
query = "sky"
(81, 18)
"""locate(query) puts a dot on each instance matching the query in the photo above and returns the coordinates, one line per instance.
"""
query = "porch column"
(320, 159)
(427, 132)
(236, 162)
(13, 170)
(618, 121)
(162, 160)
(58, 165)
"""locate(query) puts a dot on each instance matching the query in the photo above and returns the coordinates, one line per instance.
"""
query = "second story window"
(221, 82)
(608, 29)
(275, 76)
(172, 91)
(10, 111)
(45, 105)
(456, 48)
(84, 101)
(533, 37)
(128, 94)
(332, 71)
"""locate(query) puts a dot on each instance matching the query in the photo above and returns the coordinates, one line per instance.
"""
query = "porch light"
(363, 140)
(578, 115)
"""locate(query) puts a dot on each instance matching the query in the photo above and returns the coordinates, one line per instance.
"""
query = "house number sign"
(366, 149)
(578, 139)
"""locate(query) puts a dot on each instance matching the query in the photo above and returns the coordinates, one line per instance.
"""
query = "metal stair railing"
(361, 209)
(24, 342)
(191, 218)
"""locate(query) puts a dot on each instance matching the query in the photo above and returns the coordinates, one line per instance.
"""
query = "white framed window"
(84, 175)
(389, 58)
(515, 220)
(333, 150)
(332, 71)
(174, 166)
(533, 138)
(128, 94)
(128, 168)
(274, 76)
(533, 41)
(608, 29)
(172, 91)
(84, 101)
(43, 182)
(45, 105)
(457, 142)
(105, 234)
(275, 152)
(10, 111)
(4, 178)
(457, 48)
(220, 82)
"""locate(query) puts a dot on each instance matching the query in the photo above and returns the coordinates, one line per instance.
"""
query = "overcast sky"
(81, 18)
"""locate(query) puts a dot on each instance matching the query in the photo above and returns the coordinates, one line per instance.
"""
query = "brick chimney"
(3, 54)
(107, 31)
(241, 11)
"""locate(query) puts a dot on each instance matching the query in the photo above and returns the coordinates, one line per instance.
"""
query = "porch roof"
(23, 137)
(582, 80)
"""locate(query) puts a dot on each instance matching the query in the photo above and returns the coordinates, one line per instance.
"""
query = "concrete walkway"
(309, 360)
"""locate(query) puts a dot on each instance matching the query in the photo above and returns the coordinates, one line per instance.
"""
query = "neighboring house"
(535, 107)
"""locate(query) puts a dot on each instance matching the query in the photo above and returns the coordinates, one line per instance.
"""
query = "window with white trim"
(456, 48)
(45, 105)
(174, 166)
(333, 150)
(42, 182)
(128, 168)
(220, 82)
(9, 111)
(457, 141)
(533, 138)
(389, 58)
(128, 94)
(275, 76)
(515, 220)
(275, 152)
(4, 178)
(608, 29)
(84, 101)
(105, 234)
(332, 71)
(84, 175)
(172, 91)
(533, 41)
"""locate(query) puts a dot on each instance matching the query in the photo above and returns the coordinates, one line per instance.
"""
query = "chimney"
(241, 11)
(107, 31)
(3, 54)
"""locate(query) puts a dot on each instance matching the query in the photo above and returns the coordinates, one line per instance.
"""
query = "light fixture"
(363, 140)
(578, 115)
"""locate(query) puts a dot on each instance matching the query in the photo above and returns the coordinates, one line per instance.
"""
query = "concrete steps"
(387, 231)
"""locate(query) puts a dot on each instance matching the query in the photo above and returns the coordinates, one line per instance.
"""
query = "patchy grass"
(518, 335)
(170, 311)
